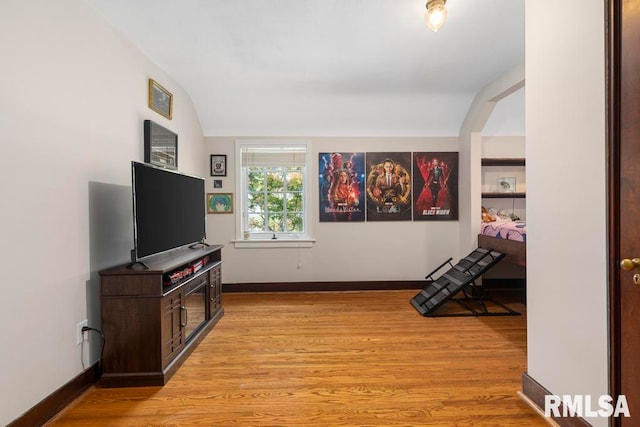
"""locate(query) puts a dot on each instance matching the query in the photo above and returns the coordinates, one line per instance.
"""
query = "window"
(273, 190)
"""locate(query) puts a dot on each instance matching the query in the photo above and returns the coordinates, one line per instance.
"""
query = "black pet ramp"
(459, 279)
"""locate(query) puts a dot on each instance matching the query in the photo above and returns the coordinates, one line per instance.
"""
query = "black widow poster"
(435, 183)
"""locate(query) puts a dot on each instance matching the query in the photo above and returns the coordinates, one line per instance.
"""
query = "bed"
(508, 237)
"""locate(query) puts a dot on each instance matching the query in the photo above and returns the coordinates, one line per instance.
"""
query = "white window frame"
(265, 240)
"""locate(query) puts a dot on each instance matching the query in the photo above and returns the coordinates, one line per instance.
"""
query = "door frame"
(613, 15)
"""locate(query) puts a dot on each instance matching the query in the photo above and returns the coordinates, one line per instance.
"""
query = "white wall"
(507, 118)
(343, 251)
(504, 146)
(566, 197)
(73, 100)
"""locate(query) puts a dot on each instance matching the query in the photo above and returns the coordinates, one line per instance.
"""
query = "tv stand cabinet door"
(173, 322)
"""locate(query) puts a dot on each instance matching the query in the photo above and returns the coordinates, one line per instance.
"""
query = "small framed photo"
(217, 183)
(160, 99)
(218, 165)
(219, 203)
(160, 145)
(507, 184)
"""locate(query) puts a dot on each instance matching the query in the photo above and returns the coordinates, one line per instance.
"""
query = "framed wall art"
(341, 187)
(435, 178)
(160, 145)
(507, 184)
(219, 203)
(218, 165)
(160, 99)
(388, 186)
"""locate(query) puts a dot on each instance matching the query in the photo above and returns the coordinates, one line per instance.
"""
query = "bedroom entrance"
(624, 202)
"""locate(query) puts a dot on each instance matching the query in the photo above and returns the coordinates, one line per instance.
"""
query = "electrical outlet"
(79, 333)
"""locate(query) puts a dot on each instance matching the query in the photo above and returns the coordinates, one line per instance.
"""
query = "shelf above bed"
(503, 162)
(513, 166)
(503, 195)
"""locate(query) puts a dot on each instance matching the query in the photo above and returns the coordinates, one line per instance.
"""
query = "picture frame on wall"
(160, 145)
(388, 185)
(218, 165)
(219, 203)
(160, 99)
(341, 191)
(435, 179)
(507, 184)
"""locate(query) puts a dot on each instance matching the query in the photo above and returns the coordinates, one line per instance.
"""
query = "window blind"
(274, 156)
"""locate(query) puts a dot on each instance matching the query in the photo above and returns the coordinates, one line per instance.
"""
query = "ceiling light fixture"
(436, 14)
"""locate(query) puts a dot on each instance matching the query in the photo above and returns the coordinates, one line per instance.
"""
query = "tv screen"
(169, 209)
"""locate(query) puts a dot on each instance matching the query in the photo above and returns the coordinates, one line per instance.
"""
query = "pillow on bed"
(503, 215)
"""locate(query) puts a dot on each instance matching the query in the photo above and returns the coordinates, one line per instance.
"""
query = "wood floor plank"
(332, 359)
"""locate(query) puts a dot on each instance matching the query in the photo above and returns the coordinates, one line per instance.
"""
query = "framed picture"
(507, 184)
(160, 145)
(218, 165)
(219, 203)
(217, 183)
(341, 193)
(435, 183)
(388, 186)
(160, 99)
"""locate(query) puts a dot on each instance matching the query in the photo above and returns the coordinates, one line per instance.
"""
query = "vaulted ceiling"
(328, 67)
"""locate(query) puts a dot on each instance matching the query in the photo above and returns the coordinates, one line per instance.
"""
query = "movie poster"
(388, 186)
(341, 190)
(435, 183)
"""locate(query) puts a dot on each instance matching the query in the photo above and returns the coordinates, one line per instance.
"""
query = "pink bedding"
(510, 230)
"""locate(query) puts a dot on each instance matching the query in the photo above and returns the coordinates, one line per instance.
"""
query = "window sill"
(273, 243)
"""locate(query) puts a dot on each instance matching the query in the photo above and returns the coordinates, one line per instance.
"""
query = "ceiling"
(327, 67)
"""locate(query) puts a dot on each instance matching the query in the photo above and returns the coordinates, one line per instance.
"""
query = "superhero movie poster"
(388, 186)
(435, 183)
(341, 190)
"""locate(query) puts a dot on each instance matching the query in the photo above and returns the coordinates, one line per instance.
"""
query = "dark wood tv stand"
(152, 319)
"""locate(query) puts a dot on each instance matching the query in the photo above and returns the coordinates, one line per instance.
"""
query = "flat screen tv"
(169, 210)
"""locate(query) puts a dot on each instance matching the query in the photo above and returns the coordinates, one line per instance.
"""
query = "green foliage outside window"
(275, 199)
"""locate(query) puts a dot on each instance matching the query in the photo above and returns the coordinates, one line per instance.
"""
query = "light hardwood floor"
(332, 359)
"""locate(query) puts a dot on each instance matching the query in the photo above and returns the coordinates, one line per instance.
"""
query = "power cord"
(99, 369)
